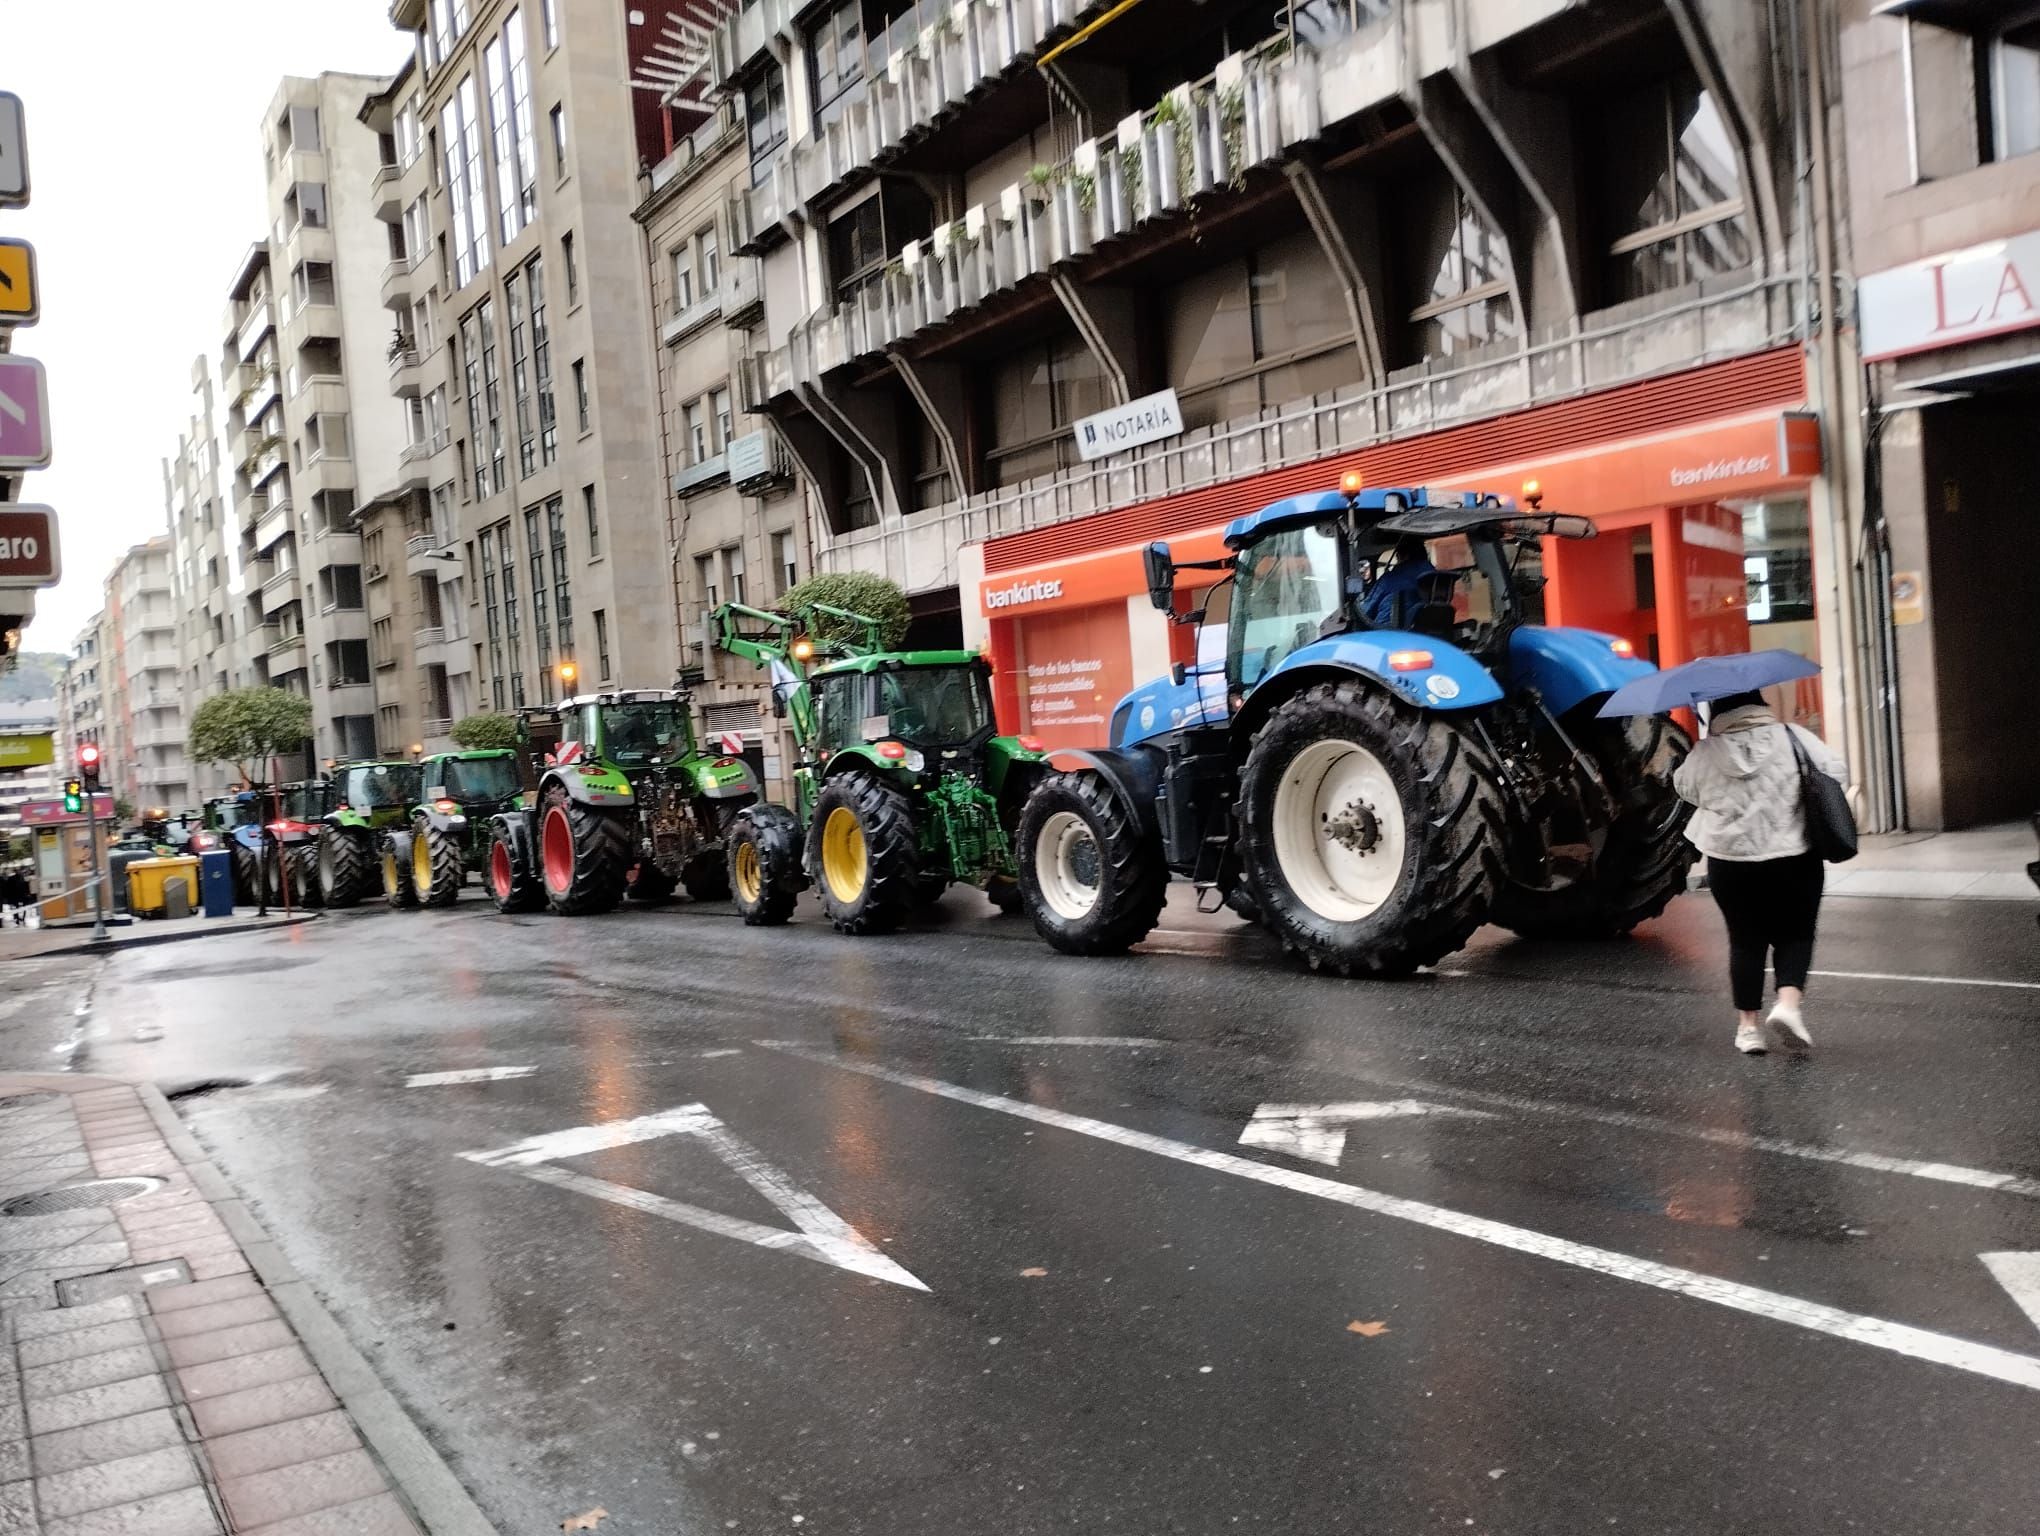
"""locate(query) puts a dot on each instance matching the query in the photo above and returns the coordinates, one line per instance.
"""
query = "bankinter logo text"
(1023, 592)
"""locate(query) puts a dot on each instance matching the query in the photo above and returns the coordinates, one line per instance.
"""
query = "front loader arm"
(772, 647)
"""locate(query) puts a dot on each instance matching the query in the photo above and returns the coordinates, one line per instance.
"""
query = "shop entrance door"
(1610, 583)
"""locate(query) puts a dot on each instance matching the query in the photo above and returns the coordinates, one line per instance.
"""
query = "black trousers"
(1770, 905)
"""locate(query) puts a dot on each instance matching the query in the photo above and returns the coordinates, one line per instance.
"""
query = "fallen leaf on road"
(1032, 1274)
(584, 1522)
(1367, 1330)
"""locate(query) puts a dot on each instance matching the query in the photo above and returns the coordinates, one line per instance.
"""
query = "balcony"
(308, 322)
(706, 475)
(326, 470)
(428, 638)
(274, 525)
(351, 696)
(157, 736)
(437, 725)
(161, 774)
(385, 192)
(259, 390)
(757, 461)
(309, 242)
(414, 467)
(692, 318)
(258, 323)
(425, 555)
(741, 37)
(396, 284)
(743, 290)
(406, 372)
(286, 653)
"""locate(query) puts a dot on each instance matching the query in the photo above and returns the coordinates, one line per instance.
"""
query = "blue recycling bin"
(216, 881)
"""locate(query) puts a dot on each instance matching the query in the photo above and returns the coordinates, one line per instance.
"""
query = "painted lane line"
(1132, 1040)
(820, 1234)
(1877, 1333)
(470, 1075)
(1316, 1131)
(2019, 1274)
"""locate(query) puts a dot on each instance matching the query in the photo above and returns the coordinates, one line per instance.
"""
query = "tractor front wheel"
(346, 866)
(1093, 880)
(1371, 833)
(584, 854)
(300, 875)
(247, 876)
(513, 887)
(864, 848)
(764, 865)
(437, 867)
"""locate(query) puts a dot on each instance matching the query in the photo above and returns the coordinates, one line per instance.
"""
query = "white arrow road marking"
(1876, 1332)
(1132, 1040)
(470, 1075)
(822, 1235)
(2019, 1274)
(16, 413)
(1312, 1130)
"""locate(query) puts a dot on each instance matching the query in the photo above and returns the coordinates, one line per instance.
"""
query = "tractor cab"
(938, 704)
(474, 780)
(364, 789)
(635, 729)
(307, 801)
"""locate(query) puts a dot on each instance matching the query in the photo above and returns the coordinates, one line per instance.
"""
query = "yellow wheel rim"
(421, 866)
(750, 878)
(843, 857)
(389, 873)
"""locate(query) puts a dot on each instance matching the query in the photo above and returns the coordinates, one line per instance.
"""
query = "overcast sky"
(144, 122)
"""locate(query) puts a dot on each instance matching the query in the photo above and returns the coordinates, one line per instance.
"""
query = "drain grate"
(25, 1100)
(77, 1197)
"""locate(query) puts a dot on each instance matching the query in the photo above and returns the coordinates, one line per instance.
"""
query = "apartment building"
(312, 429)
(42, 782)
(142, 729)
(739, 525)
(528, 317)
(1044, 279)
(81, 704)
(1940, 115)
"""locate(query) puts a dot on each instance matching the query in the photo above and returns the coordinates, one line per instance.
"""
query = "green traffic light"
(74, 797)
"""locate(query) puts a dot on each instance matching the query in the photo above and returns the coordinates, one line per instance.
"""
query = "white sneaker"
(1790, 1028)
(1750, 1040)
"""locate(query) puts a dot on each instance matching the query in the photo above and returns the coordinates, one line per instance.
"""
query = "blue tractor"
(1393, 750)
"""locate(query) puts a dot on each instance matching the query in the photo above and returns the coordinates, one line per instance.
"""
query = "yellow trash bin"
(145, 882)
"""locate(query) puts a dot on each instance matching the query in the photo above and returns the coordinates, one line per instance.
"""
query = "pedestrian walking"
(16, 894)
(1744, 780)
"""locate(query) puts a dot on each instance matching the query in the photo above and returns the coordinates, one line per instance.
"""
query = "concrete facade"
(142, 695)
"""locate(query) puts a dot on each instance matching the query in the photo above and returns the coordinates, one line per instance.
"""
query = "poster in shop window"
(1074, 666)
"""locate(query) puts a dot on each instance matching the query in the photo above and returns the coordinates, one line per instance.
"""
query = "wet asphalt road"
(1070, 1299)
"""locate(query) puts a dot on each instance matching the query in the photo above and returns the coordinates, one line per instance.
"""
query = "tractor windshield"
(228, 814)
(381, 785)
(1285, 590)
(479, 780)
(644, 735)
(935, 706)
(304, 802)
(1455, 587)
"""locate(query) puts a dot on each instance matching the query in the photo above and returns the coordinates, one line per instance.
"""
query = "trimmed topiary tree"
(858, 591)
(485, 733)
(249, 726)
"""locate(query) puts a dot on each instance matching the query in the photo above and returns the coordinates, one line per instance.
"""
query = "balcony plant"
(485, 733)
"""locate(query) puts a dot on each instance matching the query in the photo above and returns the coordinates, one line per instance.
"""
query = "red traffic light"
(88, 755)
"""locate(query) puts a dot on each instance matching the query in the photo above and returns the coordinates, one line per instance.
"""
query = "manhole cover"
(24, 1100)
(76, 1197)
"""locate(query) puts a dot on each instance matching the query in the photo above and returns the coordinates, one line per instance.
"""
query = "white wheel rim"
(1339, 830)
(1066, 865)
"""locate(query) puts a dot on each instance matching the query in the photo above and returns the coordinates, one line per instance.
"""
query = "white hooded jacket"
(1744, 779)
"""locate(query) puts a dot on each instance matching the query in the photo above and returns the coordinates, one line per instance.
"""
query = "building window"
(836, 61)
(785, 561)
(704, 579)
(602, 645)
(697, 431)
(492, 614)
(460, 130)
(449, 23)
(541, 606)
(509, 77)
(541, 361)
(719, 409)
(520, 375)
(573, 270)
(683, 277)
(708, 261)
(385, 642)
(733, 572)
(581, 391)
(556, 121)
(492, 398)
(548, 11)
(1037, 391)
(1973, 95)
(594, 527)
(765, 121)
(506, 553)
(1670, 188)
(563, 600)
(1466, 303)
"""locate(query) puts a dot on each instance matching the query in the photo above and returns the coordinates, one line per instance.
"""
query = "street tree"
(857, 591)
(485, 733)
(249, 726)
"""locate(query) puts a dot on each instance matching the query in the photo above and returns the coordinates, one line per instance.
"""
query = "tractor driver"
(1397, 592)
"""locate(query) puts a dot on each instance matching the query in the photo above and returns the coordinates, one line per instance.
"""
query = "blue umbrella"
(1711, 677)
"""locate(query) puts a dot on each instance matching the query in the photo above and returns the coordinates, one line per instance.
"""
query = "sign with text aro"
(24, 414)
(20, 302)
(28, 546)
(1986, 290)
(13, 152)
(1146, 420)
(34, 751)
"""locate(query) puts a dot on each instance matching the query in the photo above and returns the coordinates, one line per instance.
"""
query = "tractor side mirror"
(1178, 672)
(1161, 575)
(778, 705)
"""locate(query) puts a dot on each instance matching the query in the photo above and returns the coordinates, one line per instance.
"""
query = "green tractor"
(426, 860)
(617, 800)
(903, 783)
(297, 813)
(368, 800)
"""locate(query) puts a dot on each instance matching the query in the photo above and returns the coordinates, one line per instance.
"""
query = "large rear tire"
(1370, 833)
(513, 885)
(301, 871)
(398, 890)
(1091, 877)
(346, 866)
(864, 849)
(1642, 863)
(764, 865)
(247, 876)
(437, 867)
(584, 854)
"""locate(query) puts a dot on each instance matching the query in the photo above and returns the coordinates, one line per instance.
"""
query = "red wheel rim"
(558, 839)
(499, 870)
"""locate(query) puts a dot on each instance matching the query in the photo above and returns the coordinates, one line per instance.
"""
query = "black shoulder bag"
(1830, 824)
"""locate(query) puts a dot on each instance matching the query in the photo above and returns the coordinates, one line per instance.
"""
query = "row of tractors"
(1384, 748)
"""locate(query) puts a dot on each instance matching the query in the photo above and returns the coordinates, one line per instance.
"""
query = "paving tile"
(226, 1343)
(126, 1481)
(177, 1298)
(14, 1462)
(17, 1510)
(265, 1497)
(215, 1266)
(198, 1246)
(74, 1256)
(126, 1334)
(273, 1404)
(108, 1440)
(237, 1313)
(281, 1445)
(379, 1516)
(40, 1381)
(13, 1417)
(114, 1400)
(166, 1226)
(188, 1512)
(66, 1319)
(237, 1373)
(94, 1228)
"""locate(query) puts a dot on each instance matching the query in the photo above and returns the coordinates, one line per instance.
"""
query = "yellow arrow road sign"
(20, 302)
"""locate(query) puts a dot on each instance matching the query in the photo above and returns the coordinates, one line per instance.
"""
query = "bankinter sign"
(1021, 593)
(28, 547)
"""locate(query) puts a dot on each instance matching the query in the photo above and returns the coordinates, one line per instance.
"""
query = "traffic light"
(88, 766)
(74, 797)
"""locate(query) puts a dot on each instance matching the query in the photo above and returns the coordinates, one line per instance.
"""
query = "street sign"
(35, 751)
(24, 414)
(28, 546)
(13, 152)
(20, 302)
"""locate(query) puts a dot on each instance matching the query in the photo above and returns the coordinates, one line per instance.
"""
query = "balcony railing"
(695, 315)
(698, 477)
(741, 37)
(438, 725)
(429, 636)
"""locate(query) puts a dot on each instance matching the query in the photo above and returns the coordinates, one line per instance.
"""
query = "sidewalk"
(73, 935)
(163, 1371)
(1982, 864)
